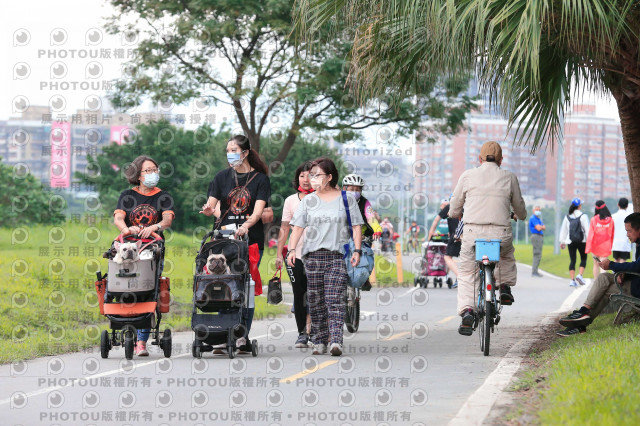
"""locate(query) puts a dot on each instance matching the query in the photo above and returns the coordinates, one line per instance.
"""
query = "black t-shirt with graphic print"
(144, 209)
(223, 187)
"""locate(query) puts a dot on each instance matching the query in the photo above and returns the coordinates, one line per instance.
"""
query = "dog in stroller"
(433, 264)
(218, 299)
(133, 295)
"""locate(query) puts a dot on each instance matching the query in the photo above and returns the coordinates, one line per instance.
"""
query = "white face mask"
(355, 194)
(151, 180)
(316, 182)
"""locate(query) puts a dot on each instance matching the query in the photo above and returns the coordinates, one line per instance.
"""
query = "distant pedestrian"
(601, 231)
(621, 244)
(573, 234)
(537, 228)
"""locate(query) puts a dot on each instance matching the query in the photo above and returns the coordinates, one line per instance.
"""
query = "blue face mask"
(537, 213)
(151, 180)
(234, 158)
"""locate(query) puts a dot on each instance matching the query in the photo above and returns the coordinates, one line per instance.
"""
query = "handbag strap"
(346, 208)
(277, 272)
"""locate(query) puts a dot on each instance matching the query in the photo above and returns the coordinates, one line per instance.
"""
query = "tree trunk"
(629, 111)
(288, 143)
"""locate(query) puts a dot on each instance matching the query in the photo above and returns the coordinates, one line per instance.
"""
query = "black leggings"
(572, 254)
(298, 279)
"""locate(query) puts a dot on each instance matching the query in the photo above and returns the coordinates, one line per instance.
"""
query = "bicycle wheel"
(480, 309)
(488, 312)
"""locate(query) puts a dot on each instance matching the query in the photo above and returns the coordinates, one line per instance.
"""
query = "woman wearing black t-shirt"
(242, 190)
(141, 210)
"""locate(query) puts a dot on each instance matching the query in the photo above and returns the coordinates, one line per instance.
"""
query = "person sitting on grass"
(604, 286)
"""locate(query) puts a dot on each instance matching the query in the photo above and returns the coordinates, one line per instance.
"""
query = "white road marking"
(477, 407)
(107, 373)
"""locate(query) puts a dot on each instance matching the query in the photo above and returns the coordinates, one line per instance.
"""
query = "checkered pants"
(326, 286)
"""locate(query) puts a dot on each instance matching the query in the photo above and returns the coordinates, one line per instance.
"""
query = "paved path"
(406, 365)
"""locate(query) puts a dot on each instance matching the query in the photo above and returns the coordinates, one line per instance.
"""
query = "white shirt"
(291, 203)
(564, 229)
(620, 240)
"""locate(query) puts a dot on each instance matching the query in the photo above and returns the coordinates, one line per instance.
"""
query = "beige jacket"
(487, 194)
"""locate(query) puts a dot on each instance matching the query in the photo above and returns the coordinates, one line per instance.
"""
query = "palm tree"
(530, 56)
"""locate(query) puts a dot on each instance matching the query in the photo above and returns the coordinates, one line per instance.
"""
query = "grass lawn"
(554, 264)
(48, 300)
(591, 378)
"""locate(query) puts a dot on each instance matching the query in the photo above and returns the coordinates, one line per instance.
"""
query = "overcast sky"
(47, 47)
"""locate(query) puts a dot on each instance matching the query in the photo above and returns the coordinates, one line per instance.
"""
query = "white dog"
(126, 252)
(216, 265)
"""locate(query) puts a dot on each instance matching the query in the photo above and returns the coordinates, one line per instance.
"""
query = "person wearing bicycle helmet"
(371, 229)
(353, 184)
(487, 193)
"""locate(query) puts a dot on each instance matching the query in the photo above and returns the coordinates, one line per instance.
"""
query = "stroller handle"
(120, 237)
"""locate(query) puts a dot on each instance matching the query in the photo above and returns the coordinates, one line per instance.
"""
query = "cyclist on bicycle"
(371, 230)
(413, 232)
(487, 193)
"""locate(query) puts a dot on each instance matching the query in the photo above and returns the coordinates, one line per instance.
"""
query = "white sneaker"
(573, 283)
(240, 343)
(580, 280)
(319, 349)
(336, 349)
(219, 349)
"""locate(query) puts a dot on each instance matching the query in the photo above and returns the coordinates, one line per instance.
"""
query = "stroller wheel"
(424, 283)
(196, 349)
(449, 282)
(128, 346)
(254, 348)
(105, 344)
(165, 343)
(440, 282)
(231, 352)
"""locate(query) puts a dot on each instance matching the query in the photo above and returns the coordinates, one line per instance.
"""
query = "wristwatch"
(159, 227)
(358, 251)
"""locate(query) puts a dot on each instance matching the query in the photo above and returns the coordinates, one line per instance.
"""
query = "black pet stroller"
(134, 296)
(218, 300)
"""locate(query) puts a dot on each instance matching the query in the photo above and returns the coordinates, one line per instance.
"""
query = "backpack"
(576, 235)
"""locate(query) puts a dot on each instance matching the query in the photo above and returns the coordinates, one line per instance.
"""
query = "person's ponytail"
(256, 162)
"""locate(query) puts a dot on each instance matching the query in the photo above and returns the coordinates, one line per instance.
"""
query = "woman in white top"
(324, 216)
(575, 213)
(297, 275)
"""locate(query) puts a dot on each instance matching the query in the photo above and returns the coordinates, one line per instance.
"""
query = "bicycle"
(352, 312)
(412, 244)
(488, 307)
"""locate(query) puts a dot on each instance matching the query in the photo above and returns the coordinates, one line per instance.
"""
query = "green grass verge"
(48, 301)
(590, 378)
(554, 264)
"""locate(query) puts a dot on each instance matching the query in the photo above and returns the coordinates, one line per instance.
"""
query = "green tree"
(240, 54)
(530, 56)
(24, 200)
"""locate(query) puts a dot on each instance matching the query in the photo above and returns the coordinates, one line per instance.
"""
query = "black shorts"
(453, 248)
(621, 255)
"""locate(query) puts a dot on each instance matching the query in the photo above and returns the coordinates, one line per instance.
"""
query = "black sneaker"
(571, 331)
(466, 325)
(303, 341)
(366, 286)
(576, 319)
(506, 298)
(537, 275)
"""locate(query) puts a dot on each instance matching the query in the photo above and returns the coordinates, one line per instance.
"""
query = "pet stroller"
(433, 264)
(134, 296)
(218, 300)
